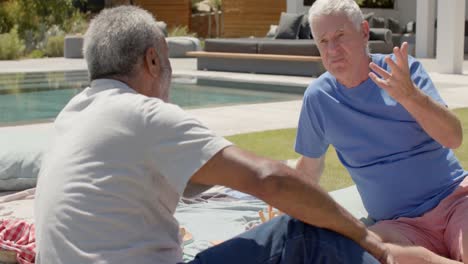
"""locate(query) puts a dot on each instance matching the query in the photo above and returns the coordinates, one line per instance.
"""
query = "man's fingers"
(404, 50)
(404, 55)
(398, 55)
(387, 258)
(383, 73)
(395, 68)
(401, 55)
(381, 83)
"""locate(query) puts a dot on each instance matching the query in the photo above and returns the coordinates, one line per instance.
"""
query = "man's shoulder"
(324, 83)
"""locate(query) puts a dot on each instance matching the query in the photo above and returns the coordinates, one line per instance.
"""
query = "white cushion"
(21, 151)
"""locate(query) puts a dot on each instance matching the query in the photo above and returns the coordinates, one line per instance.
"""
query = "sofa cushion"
(21, 154)
(396, 39)
(410, 27)
(272, 31)
(304, 29)
(368, 16)
(383, 34)
(303, 47)
(379, 46)
(178, 46)
(288, 27)
(377, 22)
(240, 45)
(394, 25)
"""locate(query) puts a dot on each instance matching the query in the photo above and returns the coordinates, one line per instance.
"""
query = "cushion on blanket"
(21, 151)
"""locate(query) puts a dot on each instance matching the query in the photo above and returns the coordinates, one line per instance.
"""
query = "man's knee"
(391, 232)
(298, 242)
(318, 245)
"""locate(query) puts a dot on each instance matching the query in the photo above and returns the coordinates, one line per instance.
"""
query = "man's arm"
(287, 190)
(311, 168)
(438, 121)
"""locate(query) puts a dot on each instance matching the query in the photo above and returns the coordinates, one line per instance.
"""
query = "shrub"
(36, 54)
(54, 47)
(28, 14)
(6, 23)
(77, 23)
(34, 18)
(11, 46)
(181, 31)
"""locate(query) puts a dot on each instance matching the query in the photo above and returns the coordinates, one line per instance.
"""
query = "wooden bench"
(258, 63)
(230, 55)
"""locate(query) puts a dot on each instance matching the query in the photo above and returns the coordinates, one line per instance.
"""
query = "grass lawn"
(279, 144)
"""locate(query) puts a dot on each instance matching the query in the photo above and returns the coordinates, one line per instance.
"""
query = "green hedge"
(11, 46)
(54, 47)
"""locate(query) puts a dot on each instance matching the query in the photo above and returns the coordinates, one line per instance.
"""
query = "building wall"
(200, 25)
(245, 18)
(404, 11)
(173, 12)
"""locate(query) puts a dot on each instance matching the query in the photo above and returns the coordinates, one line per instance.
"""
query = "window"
(308, 2)
(376, 3)
(365, 3)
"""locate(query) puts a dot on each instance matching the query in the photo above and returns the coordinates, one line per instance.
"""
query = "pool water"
(32, 97)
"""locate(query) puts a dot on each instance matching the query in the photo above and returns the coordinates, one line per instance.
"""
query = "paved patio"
(255, 117)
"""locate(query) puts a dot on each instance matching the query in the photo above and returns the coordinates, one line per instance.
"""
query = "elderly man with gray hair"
(393, 133)
(123, 156)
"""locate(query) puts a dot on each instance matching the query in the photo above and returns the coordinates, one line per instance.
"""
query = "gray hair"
(336, 7)
(117, 39)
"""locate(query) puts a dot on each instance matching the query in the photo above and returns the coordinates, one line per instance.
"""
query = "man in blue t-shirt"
(393, 133)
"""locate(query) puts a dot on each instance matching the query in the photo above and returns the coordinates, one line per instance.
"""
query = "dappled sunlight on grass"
(275, 144)
(462, 151)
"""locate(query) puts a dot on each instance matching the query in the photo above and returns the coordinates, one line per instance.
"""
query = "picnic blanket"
(217, 215)
(18, 236)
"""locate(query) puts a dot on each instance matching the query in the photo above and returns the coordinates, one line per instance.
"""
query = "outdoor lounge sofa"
(178, 46)
(282, 52)
(271, 56)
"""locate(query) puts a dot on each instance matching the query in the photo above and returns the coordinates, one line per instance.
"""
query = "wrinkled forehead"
(330, 24)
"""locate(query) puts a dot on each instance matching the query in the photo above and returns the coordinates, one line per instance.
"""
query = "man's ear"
(151, 62)
(365, 29)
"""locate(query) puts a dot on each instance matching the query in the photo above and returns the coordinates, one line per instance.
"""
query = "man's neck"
(133, 83)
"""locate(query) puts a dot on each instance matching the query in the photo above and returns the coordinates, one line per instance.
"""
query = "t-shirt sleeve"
(423, 81)
(179, 145)
(310, 138)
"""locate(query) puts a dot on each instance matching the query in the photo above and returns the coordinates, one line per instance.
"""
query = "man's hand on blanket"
(185, 235)
(271, 213)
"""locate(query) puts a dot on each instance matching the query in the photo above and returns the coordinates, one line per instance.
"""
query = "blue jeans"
(284, 240)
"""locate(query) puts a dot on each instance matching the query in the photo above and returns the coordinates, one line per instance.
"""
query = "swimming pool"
(32, 97)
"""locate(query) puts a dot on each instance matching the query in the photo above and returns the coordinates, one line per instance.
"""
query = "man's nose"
(332, 47)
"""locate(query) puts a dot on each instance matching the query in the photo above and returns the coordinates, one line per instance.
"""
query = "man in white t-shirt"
(123, 156)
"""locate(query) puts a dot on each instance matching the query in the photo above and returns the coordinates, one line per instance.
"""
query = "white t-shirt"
(109, 186)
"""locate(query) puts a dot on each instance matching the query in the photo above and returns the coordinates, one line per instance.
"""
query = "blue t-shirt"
(398, 168)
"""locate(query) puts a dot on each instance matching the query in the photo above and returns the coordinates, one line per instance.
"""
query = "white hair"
(336, 7)
(117, 40)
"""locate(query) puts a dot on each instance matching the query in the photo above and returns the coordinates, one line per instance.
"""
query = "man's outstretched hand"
(397, 83)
